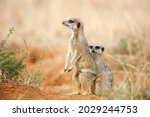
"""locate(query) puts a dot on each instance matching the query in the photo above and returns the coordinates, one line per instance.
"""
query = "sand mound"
(12, 91)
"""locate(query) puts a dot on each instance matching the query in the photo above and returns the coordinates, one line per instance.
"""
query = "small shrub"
(10, 68)
(36, 78)
(13, 70)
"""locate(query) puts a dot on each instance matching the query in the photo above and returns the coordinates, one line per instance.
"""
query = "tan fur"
(80, 56)
(104, 81)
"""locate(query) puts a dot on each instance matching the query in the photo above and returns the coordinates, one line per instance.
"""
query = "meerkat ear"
(103, 49)
(78, 25)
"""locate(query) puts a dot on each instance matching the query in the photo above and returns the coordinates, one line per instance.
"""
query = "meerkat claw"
(65, 70)
(69, 70)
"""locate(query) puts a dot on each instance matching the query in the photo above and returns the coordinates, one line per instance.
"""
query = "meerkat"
(80, 57)
(105, 80)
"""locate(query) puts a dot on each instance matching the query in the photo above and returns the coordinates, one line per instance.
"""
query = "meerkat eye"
(70, 21)
(90, 47)
(97, 47)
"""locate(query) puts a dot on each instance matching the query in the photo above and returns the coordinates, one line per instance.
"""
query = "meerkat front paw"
(67, 69)
(70, 69)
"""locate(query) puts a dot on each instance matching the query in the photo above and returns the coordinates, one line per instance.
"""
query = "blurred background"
(39, 23)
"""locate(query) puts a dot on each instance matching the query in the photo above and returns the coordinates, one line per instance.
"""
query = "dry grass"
(131, 70)
(39, 21)
(122, 26)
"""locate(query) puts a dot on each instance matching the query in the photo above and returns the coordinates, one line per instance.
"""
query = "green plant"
(36, 78)
(12, 69)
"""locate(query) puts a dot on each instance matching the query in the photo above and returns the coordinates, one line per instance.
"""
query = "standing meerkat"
(105, 79)
(80, 56)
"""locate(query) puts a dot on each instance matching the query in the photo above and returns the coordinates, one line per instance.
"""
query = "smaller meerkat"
(105, 79)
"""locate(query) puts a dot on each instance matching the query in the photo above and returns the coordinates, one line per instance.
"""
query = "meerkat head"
(73, 23)
(96, 49)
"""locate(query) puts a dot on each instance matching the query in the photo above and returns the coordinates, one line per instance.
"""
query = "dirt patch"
(51, 66)
(10, 91)
(57, 84)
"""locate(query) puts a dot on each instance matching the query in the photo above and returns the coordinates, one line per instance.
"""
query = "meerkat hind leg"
(76, 84)
(87, 83)
(102, 85)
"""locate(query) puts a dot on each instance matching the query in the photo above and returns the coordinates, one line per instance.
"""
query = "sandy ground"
(10, 91)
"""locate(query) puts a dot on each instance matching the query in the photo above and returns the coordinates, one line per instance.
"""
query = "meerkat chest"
(76, 44)
(101, 65)
(73, 45)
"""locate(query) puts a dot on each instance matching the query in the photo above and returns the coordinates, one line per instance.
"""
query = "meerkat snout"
(63, 22)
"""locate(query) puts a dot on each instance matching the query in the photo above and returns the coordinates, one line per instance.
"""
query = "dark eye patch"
(70, 21)
(90, 47)
(97, 47)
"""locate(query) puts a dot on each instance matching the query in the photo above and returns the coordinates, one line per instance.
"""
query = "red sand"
(10, 91)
